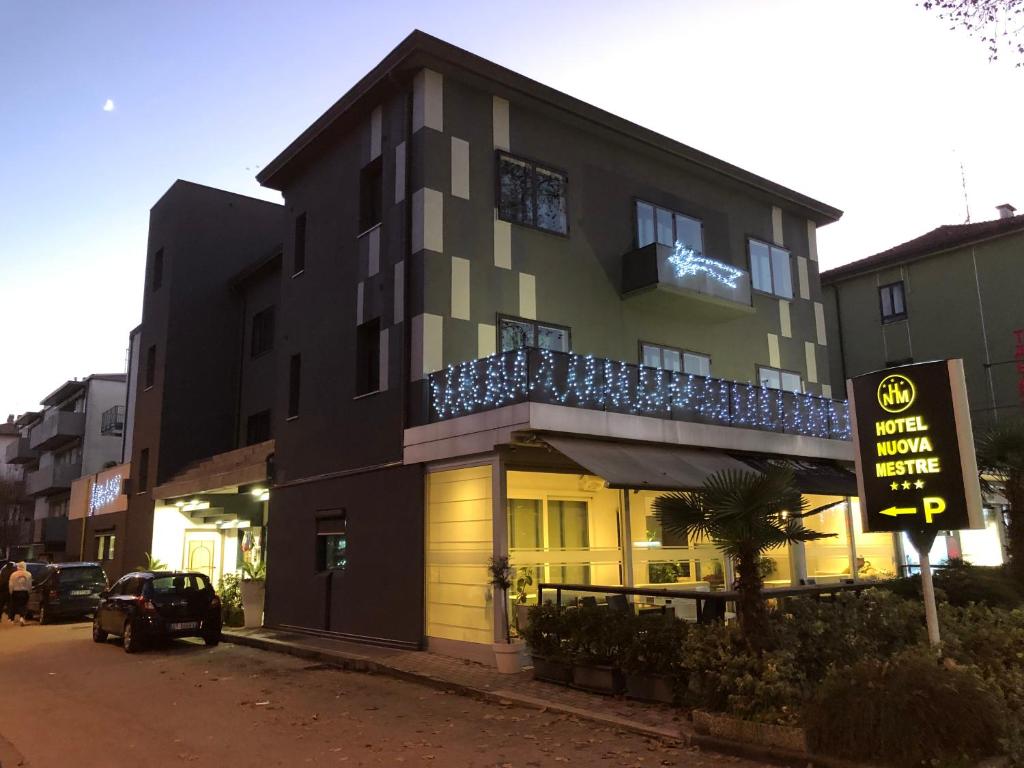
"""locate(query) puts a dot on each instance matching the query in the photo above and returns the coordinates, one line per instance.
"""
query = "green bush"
(655, 645)
(546, 631)
(962, 584)
(905, 712)
(230, 600)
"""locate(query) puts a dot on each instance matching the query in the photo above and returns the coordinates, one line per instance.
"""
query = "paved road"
(69, 701)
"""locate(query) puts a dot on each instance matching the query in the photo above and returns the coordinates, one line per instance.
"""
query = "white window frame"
(781, 373)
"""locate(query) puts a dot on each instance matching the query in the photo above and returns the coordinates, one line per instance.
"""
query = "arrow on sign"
(894, 511)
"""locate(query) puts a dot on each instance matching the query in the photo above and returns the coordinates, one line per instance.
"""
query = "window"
(105, 544)
(368, 357)
(670, 359)
(371, 194)
(666, 227)
(894, 306)
(143, 476)
(525, 524)
(531, 194)
(158, 269)
(332, 542)
(299, 258)
(257, 428)
(181, 584)
(517, 334)
(68, 457)
(774, 378)
(770, 269)
(294, 385)
(262, 332)
(59, 507)
(150, 367)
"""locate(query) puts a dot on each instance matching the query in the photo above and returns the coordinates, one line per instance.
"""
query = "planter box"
(551, 670)
(598, 678)
(736, 729)
(650, 688)
(253, 595)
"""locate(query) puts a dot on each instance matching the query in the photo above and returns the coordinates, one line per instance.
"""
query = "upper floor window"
(299, 255)
(672, 359)
(893, 302)
(667, 227)
(158, 269)
(532, 194)
(775, 378)
(371, 194)
(332, 541)
(257, 428)
(105, 545)
(770, 270)
(150, 373)
(514, 333)
(262, 332)
(368, 357)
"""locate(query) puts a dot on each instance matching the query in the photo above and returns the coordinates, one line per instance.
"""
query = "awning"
(817, 476)
(651, 467)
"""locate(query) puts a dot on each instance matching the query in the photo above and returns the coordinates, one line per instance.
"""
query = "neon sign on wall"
(686, 262)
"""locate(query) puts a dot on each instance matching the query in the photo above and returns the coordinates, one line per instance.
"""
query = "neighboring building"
(78, 432)
(15, 508)
(953, 292)
(507, 319)
(203, 385)
(97, 519)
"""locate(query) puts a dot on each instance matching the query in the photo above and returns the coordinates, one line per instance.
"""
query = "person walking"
(19, 586)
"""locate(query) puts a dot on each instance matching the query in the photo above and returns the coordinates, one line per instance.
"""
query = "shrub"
(655, 645)
(905, 712)
(962, 584)
(598, 635)
(545, 632)
(230, 600)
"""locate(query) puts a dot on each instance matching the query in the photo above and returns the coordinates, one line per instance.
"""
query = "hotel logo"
(896, 393)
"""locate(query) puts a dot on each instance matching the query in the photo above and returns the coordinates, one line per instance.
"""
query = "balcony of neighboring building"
(112, 421)
(52, 479)
(20, 452)
(685, 282)
(51, 532)
(56, 429)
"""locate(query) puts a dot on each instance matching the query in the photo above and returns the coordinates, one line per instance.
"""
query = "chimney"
(10, 418)
(1006, 210)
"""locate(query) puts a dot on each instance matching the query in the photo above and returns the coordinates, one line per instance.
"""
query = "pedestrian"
(19, 585)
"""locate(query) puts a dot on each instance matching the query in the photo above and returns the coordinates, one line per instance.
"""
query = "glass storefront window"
(828, 560)
(876, 552)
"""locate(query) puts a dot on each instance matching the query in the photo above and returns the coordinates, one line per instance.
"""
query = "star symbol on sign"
(919, 484)
(906, 485)
(895, 486)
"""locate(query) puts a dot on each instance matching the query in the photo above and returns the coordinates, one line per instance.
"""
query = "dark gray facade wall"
(963, 303)
(258, 372)
(578, 278)
(380, 592)
(322, 307)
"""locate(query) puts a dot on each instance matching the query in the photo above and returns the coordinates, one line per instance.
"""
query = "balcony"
(19, 452)
(112, 421)
(51, 479)
(52, 532)
(583, 381)
(56, 429)
(685, 283)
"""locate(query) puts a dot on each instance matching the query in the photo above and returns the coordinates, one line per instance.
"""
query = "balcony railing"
(112, 421)
(57, 428)
(51, 479)
(583, 381)
(20, 452)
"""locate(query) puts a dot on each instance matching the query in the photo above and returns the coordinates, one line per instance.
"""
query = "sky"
(872, 107)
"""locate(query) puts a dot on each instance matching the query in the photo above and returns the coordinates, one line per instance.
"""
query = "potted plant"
(597, 642)
(545, 634)
(522, 616)
(652, 658)
(254, 591)
(507, 654)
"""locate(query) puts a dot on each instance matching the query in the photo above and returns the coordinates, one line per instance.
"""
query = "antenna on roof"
(963, 183)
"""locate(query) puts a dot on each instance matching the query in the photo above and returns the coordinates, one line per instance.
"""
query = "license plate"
(177, 626)
(80, 592)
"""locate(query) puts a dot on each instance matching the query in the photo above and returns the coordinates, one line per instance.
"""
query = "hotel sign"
(916, 468)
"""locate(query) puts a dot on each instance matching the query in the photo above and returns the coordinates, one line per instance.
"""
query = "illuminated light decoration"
(583, 381)
(686, 262)
(194, 506)
(104, 493)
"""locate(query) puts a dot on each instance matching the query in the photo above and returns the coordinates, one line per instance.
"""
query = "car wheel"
(132, 642)
(98, 635)
(212, 638)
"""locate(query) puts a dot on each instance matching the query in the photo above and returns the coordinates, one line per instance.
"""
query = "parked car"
(146, 606)
(65, 590)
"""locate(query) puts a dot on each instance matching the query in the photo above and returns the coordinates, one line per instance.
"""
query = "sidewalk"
(467, 677)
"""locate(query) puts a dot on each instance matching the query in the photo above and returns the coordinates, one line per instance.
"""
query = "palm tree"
(744, 514)
(1000, 453)
(152, 564)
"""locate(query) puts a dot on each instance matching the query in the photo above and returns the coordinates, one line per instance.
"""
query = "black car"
(65, 590)
(157, 605)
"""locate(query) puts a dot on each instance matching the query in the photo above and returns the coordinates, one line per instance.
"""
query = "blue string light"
(609, 385)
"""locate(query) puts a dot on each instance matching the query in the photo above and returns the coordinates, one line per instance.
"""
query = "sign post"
(916, 468)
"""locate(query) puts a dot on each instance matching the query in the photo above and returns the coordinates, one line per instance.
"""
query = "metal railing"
(584, 381)
(112, 421)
